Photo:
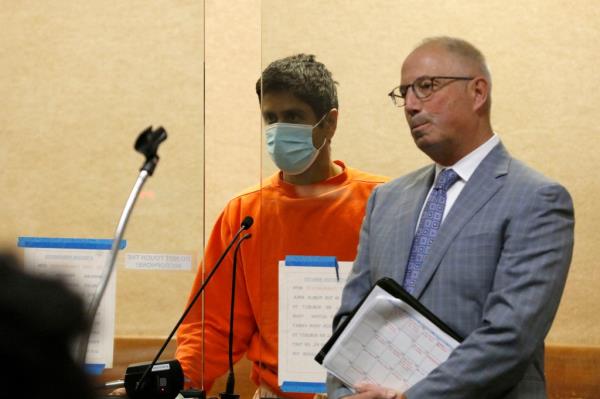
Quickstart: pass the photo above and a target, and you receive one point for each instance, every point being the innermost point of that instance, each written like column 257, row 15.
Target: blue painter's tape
column 304, row 387
column 318, row 261
column 94, row 368
column 68, row 243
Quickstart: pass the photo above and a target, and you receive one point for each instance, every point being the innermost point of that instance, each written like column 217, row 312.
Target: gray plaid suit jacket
column 495, row 273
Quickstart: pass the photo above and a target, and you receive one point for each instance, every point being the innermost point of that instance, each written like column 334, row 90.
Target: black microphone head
column 247, row 222
column 148, row 141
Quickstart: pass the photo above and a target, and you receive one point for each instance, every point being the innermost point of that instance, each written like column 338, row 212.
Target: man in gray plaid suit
column 487, row 250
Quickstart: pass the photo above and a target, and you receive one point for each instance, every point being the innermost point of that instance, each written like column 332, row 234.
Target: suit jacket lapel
column 480, row 188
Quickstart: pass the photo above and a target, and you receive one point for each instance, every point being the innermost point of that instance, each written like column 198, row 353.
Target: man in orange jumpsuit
column 313, row 206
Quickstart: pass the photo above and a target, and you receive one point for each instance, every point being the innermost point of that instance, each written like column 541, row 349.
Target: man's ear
column 330, row 122
column 480, row 90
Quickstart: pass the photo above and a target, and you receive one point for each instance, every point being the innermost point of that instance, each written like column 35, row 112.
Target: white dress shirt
column 464, row 168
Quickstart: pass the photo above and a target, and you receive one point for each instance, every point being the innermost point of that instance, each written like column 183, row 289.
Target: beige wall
column 79, row 82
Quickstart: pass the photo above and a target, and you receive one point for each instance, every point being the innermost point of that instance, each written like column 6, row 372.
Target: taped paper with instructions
column 310, row 289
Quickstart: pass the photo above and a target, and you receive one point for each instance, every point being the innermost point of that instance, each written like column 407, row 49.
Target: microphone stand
column 147, row 143
column 230, row 386
column 245, row 225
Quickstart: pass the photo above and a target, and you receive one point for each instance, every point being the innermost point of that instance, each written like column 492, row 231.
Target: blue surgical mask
column 290, row 146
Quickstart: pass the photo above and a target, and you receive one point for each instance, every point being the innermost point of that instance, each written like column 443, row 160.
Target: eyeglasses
column 423, row 87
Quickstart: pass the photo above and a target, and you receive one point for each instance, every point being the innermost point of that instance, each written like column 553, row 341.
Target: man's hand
column 372, row 391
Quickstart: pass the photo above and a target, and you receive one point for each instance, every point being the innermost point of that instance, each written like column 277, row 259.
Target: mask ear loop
column 322, row 119
column 324, row 141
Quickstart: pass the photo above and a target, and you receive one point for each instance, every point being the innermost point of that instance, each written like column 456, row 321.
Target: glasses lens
column 423, row 87
column 403, row 90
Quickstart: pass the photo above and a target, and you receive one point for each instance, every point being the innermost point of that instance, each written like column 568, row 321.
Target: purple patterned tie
column 431, row 219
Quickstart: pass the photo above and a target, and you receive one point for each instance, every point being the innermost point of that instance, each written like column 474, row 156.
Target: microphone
column 229, row 388
column 136, row 388
column 147, row 143
column 247, row 223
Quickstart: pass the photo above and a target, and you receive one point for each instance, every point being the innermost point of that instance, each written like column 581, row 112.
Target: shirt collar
column 467, row 165
column 311, row 190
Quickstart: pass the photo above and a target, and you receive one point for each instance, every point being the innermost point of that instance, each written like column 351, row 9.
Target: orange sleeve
column 201, row 372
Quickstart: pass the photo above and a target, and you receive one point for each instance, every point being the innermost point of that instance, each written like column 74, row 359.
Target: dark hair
column 305, row 78
column 40, row 319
